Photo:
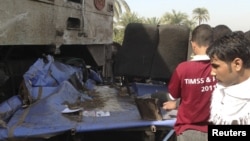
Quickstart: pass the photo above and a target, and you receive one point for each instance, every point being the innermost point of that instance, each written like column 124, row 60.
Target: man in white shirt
column 230, row 61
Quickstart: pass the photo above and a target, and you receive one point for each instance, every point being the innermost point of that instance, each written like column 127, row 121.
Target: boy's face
column 227, row 74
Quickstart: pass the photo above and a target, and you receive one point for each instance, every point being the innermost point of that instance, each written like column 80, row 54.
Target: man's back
column 195, row 88
column 192, row 83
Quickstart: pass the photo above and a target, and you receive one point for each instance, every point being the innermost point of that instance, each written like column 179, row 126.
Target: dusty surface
column 105, row 98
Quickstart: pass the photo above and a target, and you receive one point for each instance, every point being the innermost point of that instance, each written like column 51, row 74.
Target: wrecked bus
column 56, row 59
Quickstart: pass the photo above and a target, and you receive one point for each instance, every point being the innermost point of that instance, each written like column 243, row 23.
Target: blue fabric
column 142, row 88
column 95, row 76
column 44, row 117
column 9, row 107
column 38, row 93
column 90, row 84
column 48, row 75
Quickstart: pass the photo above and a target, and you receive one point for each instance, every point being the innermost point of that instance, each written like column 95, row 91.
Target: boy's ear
column 238, row 63
column 193, row 45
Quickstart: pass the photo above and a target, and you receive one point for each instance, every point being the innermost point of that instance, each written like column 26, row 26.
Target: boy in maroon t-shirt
column 193, row 84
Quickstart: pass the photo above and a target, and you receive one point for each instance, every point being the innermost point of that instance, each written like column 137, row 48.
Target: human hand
column 170, row 105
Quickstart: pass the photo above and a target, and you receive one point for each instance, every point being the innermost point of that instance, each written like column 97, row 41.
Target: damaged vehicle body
column 57, row 73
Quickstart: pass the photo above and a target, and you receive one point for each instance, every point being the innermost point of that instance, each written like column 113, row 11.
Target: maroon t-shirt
column 192, row 82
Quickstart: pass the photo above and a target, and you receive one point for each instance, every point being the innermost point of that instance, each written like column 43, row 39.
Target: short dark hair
column 231, row 46
column 202, row 35
column 220, row 31
column 247, row 34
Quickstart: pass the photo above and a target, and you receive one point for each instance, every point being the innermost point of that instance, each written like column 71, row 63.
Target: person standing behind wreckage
column 220, row 31
column 231, row 67
column 193, row 84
